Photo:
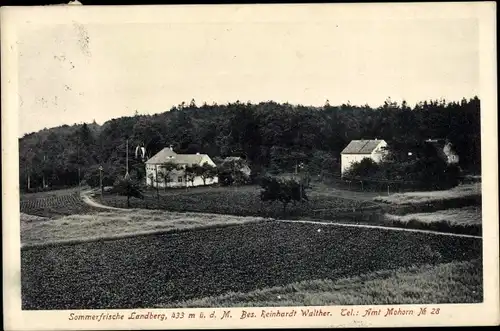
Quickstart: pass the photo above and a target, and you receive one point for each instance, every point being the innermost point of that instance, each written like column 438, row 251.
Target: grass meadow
column 455, row 217
column 454, row 282
column 462, row 192
column 457, row 210
column 466, row 220
column 116, row 224
column 241, row 201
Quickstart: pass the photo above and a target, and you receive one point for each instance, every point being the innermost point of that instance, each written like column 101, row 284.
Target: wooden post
column 43, row 173
column 156, row 181
column 126, row 158
column 29, row 177
column 78, row 160
column 100, row 181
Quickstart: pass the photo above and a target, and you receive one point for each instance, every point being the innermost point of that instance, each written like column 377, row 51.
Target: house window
column 179, row 179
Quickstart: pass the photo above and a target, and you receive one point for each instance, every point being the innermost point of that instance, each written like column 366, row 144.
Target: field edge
column 367, row 289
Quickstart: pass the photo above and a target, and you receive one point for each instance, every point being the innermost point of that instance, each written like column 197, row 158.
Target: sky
column 73, row 72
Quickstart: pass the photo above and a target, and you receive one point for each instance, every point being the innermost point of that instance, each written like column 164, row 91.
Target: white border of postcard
column 486, row 313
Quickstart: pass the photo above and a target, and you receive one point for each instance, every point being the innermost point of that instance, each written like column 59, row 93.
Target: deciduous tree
column 127, row 188
column 282, row 190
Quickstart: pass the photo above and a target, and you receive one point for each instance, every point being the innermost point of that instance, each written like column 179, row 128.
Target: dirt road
column 86, row 197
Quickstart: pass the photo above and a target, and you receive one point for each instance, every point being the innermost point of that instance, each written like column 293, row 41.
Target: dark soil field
column 55, row 203
column 143, row 271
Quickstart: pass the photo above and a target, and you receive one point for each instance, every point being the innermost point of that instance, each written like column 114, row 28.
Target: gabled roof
column 167, row 155
column 361, row 146
column 189, row 158
column 439, row 146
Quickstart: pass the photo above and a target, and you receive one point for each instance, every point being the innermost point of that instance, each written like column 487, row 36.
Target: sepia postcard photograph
column 249, row 166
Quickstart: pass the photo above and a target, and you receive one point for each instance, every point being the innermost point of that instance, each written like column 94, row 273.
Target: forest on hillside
column 272, row 137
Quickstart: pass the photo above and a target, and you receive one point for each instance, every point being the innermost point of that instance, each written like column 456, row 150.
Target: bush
column 365, row 168
column 128, row 188
column 285, row 190
column 228, row 177
column 225, row 178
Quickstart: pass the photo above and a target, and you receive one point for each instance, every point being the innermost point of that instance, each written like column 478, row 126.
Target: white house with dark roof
column 156, row 166
column 358, row 150
column 445, row 150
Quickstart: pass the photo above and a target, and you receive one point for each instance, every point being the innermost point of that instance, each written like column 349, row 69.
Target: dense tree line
column 272, row 137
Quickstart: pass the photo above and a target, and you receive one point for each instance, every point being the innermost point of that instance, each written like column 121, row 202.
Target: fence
column 358, row 183
column 365, row 184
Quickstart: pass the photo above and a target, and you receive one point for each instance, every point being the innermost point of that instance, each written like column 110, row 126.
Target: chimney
column 171, row 147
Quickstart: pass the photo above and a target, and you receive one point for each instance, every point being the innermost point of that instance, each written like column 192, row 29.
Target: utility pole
column 26, row 176
column 156, row 181
column 78, row 161
column 100, row 181
column 126, row 173
column 43, row 172
column 300, row 188
column 296, row 155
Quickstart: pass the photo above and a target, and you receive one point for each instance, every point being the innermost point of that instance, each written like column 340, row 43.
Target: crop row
column 57, row 205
